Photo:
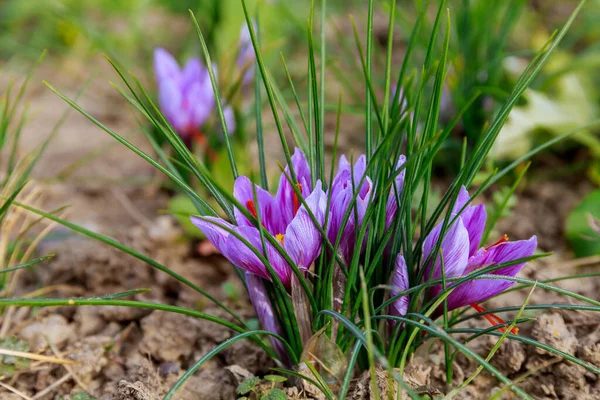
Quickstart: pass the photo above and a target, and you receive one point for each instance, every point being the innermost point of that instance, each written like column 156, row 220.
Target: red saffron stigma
column 250, row 207
column 198, row 137
column 295, row 198
column 494, row 319
column 502, row 240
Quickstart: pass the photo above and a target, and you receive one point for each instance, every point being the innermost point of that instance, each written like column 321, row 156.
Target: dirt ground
column 126, row 353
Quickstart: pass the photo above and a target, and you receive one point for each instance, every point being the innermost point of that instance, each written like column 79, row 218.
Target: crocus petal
column 265, row 204
column 399, row 282
column 461, row 200
column 244, row 256
column 198, row 103
column 478, row 290
column 171, row 101
column 285, row 193
column 510, row 251
column 343, row 164
column 192, row 72
column 350, row 176
column 455, row 250
column 474, row 218
column 264, row 311
column 302, row 237
column 229, row 119
column 165, row 66
column 213, row 229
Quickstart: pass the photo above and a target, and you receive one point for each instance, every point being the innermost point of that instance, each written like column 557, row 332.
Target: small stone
column 167, row 368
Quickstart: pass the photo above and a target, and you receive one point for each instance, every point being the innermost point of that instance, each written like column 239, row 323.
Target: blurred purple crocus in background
column 283, row 216
column 462, row 256
column 186, row 96
column 246, row 56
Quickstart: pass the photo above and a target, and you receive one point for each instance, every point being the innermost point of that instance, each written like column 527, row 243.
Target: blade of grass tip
column 312, row 136
column 323, row 64
column 299, row 138
column 26, row 82
column 268, row 88
column 27, row 264
column 500, row 210
column 369, row 83
column 11, row 200
column 5, row 118
column 368, row 74
column 388, row 66
column 113, row 243
column 368, row 335
column 14, row 150
column 215, row 85
column 216, row 351
column 302, row 143
column 504, row 336
column 409, row 48
column 258, row 114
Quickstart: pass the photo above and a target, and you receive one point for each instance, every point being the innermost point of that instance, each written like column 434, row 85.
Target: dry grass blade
column 33, row 356
column 15, row 391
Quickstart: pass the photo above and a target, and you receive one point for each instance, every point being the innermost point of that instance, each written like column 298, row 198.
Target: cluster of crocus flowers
column 186, row 96
column 292, row 223
column 460, row 255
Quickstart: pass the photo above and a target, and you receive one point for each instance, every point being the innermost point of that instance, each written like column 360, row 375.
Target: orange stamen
column 280, row 238
column 250, row 207
column 494, row 319
column 295, row 198
column 502, row 240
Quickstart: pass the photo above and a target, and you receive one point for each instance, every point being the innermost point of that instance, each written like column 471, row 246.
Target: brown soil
column 124, row 353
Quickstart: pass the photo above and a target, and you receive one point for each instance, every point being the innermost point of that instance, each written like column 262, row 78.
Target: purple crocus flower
column 246, row 56
column 462, row 255
column 283, row 216
column 345, row 183
column 186, row 96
